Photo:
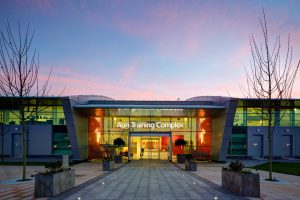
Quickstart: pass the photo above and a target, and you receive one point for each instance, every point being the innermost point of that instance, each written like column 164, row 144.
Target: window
column 285, row 117
column 240, row 117
column 238, row 142
column 60, row 143
column 254, row 117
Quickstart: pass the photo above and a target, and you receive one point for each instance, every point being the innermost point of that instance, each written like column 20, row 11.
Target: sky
column 150, row 50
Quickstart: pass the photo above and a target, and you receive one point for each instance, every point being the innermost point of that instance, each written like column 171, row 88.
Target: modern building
column 214, row 128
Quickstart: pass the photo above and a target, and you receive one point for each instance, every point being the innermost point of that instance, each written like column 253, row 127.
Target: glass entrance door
column 149, row 147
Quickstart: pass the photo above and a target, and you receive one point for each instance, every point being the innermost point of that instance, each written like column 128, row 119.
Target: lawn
column 281, row 167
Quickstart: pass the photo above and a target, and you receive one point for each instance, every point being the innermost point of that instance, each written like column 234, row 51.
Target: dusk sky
column 151, row 50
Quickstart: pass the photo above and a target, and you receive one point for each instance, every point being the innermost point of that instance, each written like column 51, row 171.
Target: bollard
column 65, row 161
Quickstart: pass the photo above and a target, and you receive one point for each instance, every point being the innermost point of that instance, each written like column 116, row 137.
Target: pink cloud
column 240, row 57
column 162, row 90
column 129, row 72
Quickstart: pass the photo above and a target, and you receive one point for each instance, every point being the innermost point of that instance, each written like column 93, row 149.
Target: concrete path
column 150, row 179
column 288, row 186
column 11, row 189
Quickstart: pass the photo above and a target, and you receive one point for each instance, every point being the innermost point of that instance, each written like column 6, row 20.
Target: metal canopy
column 148, row 106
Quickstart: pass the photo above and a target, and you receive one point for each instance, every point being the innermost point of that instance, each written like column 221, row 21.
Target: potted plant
column 181, row 143
column 190, row 163
column 54, row 180
column 239, row 181
column 119, row 142
column 108, row 159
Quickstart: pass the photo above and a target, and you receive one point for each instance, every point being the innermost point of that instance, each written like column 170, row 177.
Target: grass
column 281, row 167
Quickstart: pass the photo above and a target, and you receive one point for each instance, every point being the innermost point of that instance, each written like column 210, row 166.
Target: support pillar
column 129, row 153
column 171, row 146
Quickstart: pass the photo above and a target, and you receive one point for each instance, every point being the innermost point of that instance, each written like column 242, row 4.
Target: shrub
column 236, row 166
column 119, row 142
column 54, row 167
column 180, row 142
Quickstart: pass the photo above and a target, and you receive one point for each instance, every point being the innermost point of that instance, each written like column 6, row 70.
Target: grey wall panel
column 222, row 128
column 8, row 138
column 77, row 129
column 39, row 140
column 229, row 118
column 296, row 142
column 81, row 126
column 252, row 133
column 280, row 135
column 218, row 123
column 71, row 128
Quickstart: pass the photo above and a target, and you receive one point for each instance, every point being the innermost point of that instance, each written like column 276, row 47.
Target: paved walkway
column 10, row 189
column 288, row 186
column 147, row 180
column 150, row 179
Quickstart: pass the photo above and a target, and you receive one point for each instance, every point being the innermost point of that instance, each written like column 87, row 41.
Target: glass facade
column 249, row 113
column 194, row 126
column 49, row 111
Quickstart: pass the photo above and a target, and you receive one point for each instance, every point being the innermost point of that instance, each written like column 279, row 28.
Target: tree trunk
column 24, row 139
column 24, row 151
column 270, row 139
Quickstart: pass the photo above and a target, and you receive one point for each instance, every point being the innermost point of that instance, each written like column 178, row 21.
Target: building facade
column 214, row 128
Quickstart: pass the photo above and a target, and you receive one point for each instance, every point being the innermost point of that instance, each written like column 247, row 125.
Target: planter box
column 49, row 185
column 243, row 184
column 108, row 165
column 118, row 159
column 180, row 158
column 190, row 165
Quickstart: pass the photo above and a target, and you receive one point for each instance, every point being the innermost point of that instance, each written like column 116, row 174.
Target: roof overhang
column 146, row 106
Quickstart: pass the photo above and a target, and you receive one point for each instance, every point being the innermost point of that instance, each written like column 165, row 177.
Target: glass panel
column 297, row 116
column 149, row 112
column 150, row 147
column 61, row 144
column 238, row 142
column 254, row 117
column 240, row 117
column 285, row 117
column 121, row 122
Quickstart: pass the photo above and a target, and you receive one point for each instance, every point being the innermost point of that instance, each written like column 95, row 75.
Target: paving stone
column 149, row 180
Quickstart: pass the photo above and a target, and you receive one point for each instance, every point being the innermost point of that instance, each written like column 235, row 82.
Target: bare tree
column 19, row 77
column 270, row 79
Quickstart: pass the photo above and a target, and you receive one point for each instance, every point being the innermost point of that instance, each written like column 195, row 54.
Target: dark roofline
column 139, row 102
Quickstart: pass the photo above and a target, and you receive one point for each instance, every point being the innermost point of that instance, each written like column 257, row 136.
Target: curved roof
column 208, row 98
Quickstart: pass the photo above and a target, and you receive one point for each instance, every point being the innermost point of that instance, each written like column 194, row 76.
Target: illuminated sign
column 151, row 125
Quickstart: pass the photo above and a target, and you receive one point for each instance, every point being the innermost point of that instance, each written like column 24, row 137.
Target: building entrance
column 154, row 146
